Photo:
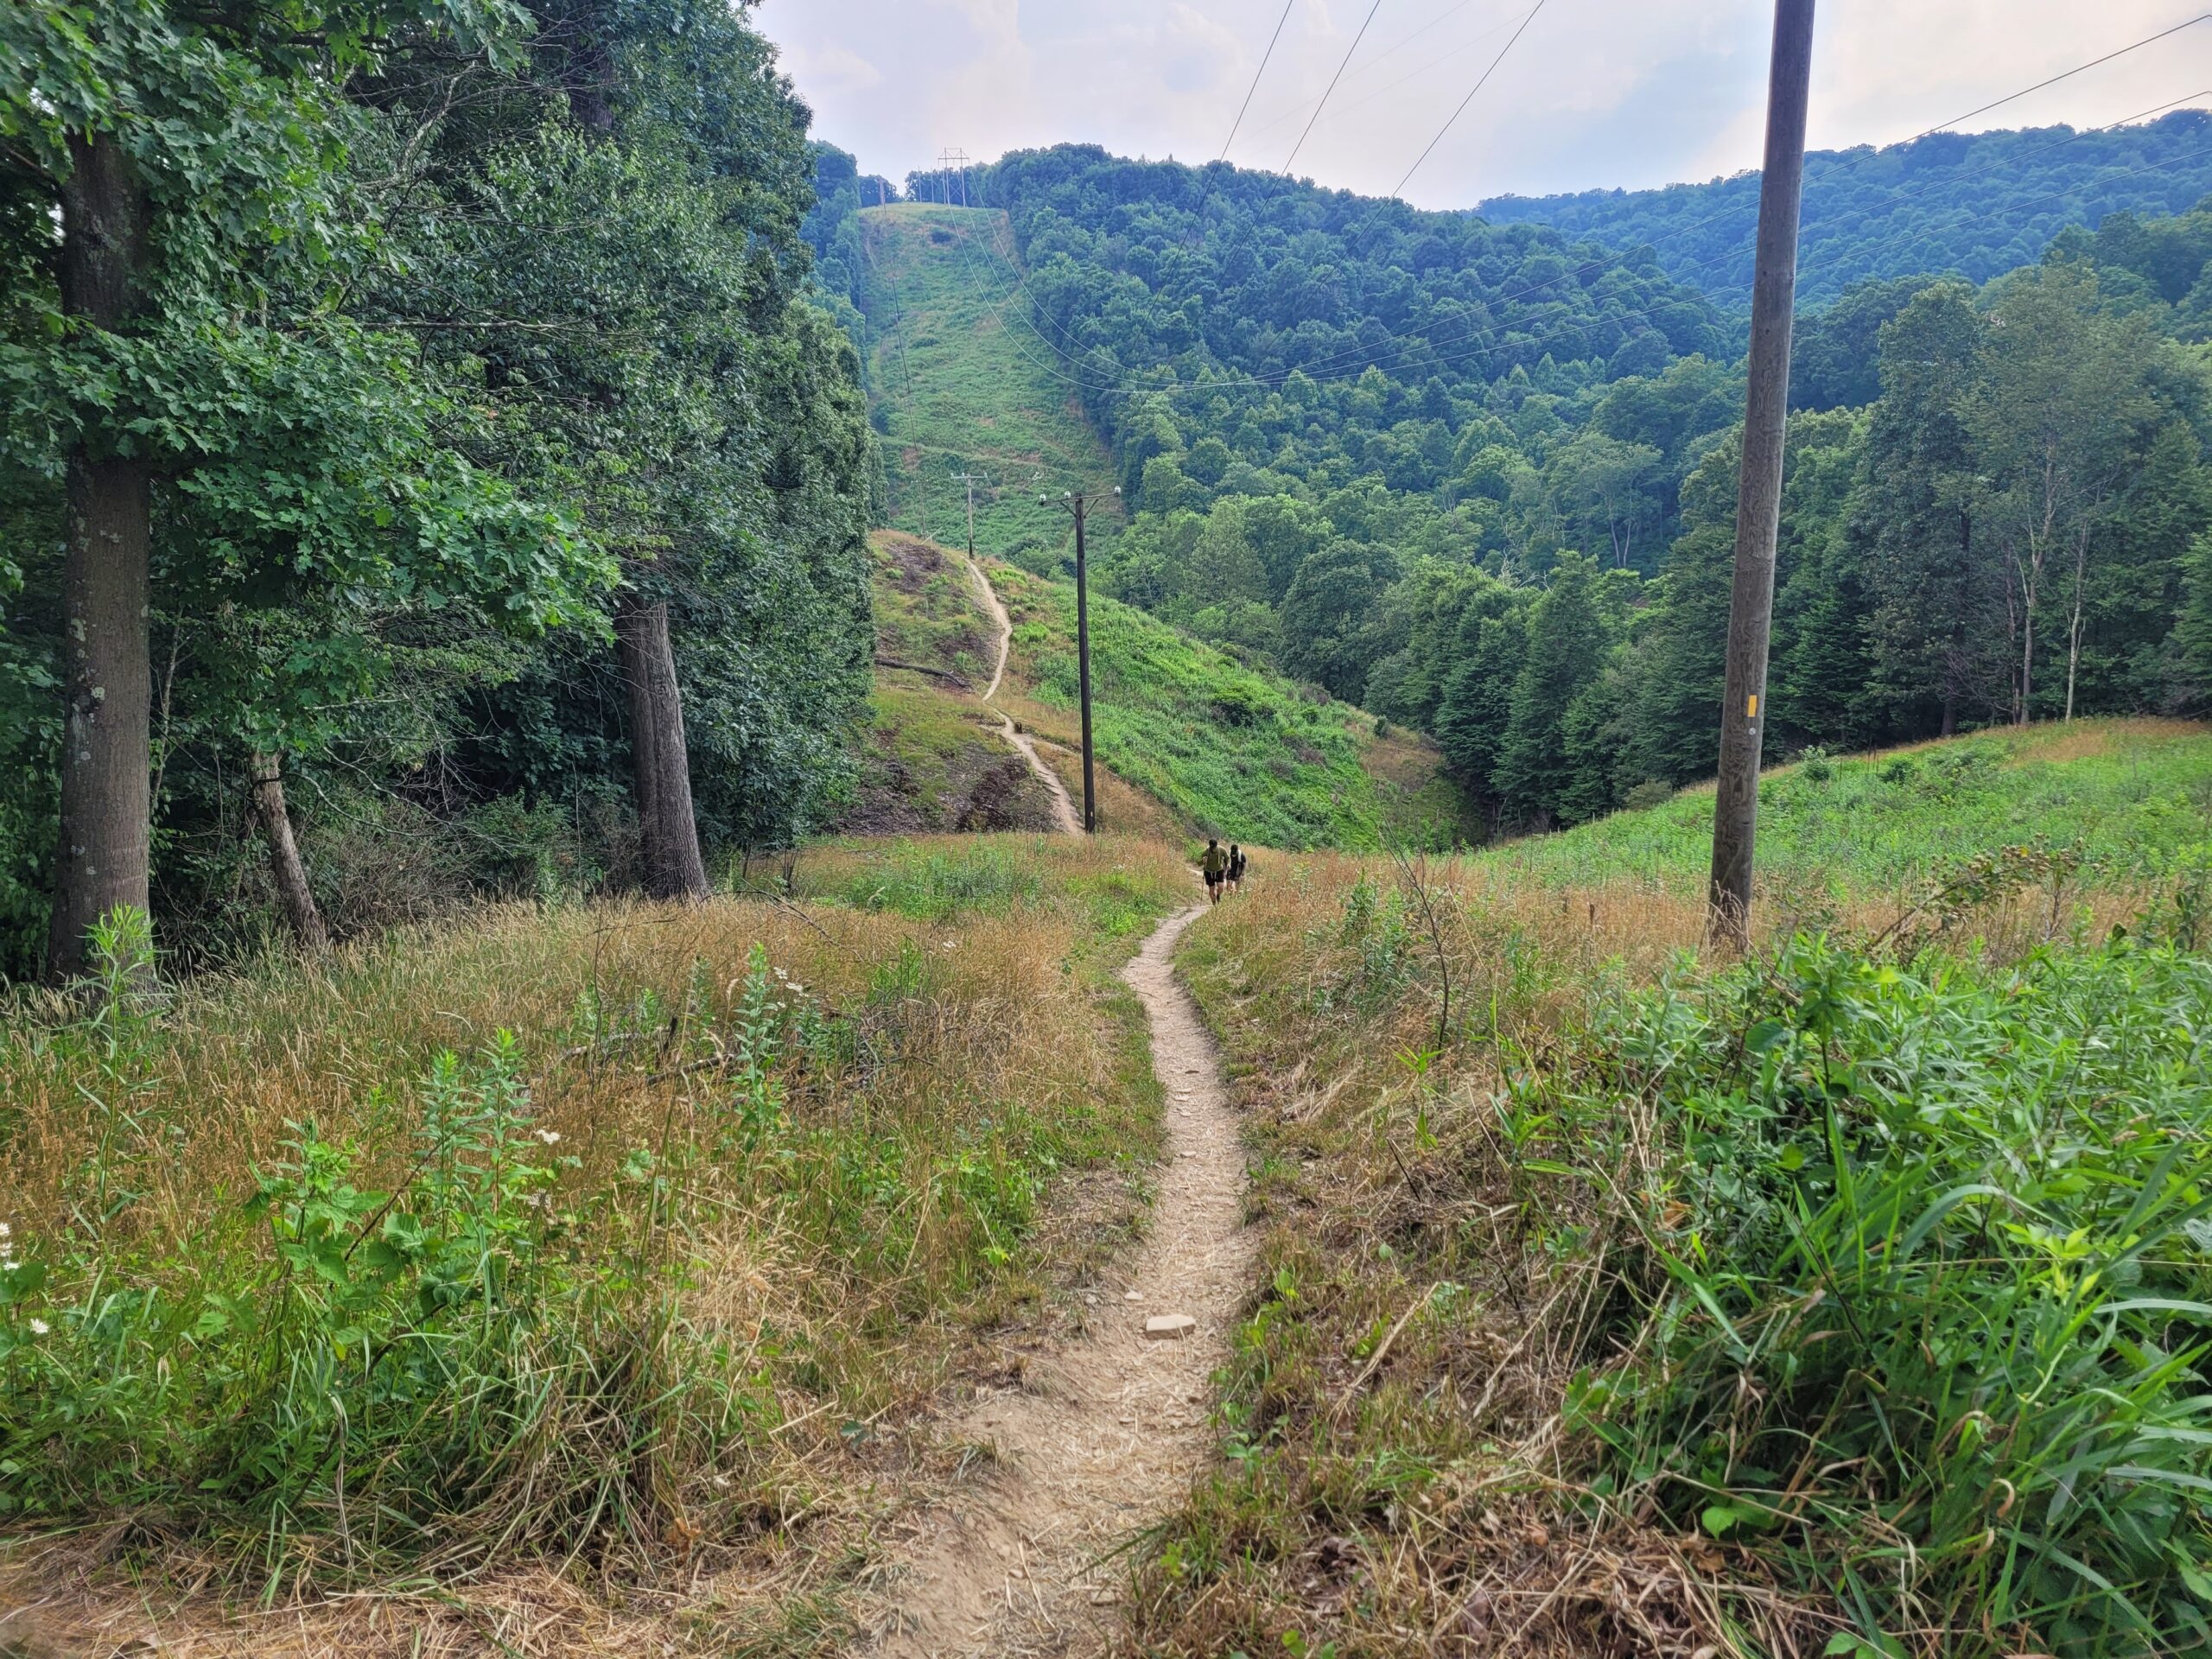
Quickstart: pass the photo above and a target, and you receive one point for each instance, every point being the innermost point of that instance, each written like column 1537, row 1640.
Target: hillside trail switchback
column 1102, row 1435
column 1064, row 812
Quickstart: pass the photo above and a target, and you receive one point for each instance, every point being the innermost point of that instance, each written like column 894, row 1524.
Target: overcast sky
column 1597, row 93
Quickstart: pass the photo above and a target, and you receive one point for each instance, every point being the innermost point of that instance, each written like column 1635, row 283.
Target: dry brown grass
column 858, row 1318
column 1410, row 1488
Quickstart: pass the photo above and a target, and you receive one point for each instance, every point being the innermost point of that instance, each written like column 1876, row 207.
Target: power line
column 1326, row 367
column 1339, row 365
column 1470, row 97
column 2054, row 80
column 1435, row 62
column 1254, row 86
column 1332, row 87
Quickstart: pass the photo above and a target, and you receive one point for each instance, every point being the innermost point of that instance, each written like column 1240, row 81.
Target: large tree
column 184, row 347
column 1536, row 776
column 2060, row 392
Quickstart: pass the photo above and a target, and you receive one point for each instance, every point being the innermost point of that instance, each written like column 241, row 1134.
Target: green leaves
column 1945, row 1291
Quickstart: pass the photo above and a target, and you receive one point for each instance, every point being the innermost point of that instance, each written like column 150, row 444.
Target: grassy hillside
column 1227, row 749
column 2131, row 795
column 935, row 760
column 961, row 387
column 612, row 1234
column 1616, row 1297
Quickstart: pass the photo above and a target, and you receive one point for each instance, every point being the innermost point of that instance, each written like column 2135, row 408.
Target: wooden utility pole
column 971, row 481
column 1759, row 491
column 1077, row 504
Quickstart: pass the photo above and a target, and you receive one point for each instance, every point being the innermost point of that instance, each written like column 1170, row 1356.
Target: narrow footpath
column 1102, row 1436
column 1063, row 807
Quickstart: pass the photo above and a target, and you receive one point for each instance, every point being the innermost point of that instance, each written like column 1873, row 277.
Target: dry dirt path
column 1103, row 1435
column 1063, row 807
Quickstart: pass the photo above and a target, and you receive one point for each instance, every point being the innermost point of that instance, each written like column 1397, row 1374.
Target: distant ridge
column 1976, row 204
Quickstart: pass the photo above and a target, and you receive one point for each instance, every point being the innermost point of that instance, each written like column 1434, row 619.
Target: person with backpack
column 1213, row 864
column 1236, row 863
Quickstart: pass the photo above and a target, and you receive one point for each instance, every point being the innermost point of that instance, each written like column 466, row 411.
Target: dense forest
column 1972, row 204
column 1481, row 479
column 427, row 463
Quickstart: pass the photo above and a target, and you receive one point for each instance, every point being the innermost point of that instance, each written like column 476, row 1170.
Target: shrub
column 1928, row 1285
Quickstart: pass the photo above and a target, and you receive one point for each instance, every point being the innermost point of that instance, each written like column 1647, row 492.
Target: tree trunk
column 2073, row 624
column 674, row 868
column 284, row 862
column 107, row 676
column 1954, row 654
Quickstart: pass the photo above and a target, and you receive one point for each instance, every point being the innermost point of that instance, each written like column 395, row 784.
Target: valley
column 572, row 1084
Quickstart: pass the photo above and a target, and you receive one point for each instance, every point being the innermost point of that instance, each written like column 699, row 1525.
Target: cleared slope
column 934, row 760
column 1226, row 748
column 961, row 386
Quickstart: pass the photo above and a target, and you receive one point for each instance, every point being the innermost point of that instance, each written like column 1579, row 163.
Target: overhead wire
column 1343, row 365
column 1470, row 97
column 1436, row 62
column 1293, row 111
column 1332, row 87
column 1256, row 73
column 2012, row 97
column 1357, row 359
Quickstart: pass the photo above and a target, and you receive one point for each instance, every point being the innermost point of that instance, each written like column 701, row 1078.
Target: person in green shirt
column 1213, row 864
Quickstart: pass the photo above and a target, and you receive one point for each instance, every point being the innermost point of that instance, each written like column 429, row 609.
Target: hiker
column 1237, row 863
column 1214, row 866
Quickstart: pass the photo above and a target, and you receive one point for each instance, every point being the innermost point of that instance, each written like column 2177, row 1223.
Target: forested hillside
column 1974, row 205
column 406, row 402
column 1482, row 481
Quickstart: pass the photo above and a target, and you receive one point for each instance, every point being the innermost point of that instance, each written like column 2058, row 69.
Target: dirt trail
column 1102, row 1436
column 1063, row 807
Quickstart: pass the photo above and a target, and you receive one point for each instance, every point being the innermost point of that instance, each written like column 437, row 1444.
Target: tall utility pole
column 1758, row 489
column 1077, row 504
column 971, row 479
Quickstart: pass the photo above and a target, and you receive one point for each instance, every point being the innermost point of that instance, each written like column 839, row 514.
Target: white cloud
column 833, row 68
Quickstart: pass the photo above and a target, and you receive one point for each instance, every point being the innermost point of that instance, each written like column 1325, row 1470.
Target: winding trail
column 1101, row 1436
column 1064, row 811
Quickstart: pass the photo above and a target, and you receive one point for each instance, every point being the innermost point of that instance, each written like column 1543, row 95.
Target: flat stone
column 1133, row 1296
column 1169, row 1327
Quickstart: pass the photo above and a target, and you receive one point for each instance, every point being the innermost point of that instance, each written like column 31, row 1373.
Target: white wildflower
column 40, row 1327
column 550, row 1137
column 3, row 1230
column 797, row 989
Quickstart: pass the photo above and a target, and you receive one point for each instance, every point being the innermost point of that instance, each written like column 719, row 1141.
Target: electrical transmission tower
column 947, row 160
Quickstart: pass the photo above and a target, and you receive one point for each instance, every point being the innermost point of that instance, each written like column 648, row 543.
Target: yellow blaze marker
column 1752, row 711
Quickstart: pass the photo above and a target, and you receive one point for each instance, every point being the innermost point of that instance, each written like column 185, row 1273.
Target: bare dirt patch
column 1063, row 807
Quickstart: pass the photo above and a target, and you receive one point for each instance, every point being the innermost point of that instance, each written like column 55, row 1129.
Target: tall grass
column 2132, row 795
column 957, row 385
column 585, row 1238
column 1851, row 1298
column 1919, row 1299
